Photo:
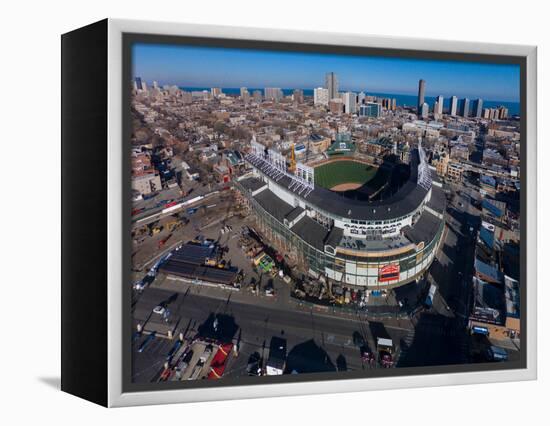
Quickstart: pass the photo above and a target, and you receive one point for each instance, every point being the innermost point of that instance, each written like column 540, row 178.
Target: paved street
column 326, row 341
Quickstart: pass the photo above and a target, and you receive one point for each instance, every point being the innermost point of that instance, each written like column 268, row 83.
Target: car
column 159, row 310
column 138, row 285
column 367, row 356
column 254, row 365
column 206, row 354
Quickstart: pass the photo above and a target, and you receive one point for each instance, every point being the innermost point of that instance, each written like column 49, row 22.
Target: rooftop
column 297, row 211
column 488, row 271
column 192, row 253
column 488, row 302
column 311, row 232
column 195, row 272
column 424, row 230
column 252, row 183
column 273, row 204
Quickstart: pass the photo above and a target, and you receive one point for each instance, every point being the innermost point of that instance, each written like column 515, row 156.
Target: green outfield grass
column 338, row 172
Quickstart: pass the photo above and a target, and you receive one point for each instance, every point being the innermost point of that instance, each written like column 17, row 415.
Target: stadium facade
column 375, row 244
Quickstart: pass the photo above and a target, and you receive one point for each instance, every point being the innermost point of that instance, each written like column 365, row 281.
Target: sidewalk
column 281, row 301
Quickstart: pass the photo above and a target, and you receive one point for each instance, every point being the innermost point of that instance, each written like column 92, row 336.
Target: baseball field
column 343, row 175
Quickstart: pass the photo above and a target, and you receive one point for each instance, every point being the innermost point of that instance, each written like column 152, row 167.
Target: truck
column 495, row 353
column 430, row 297
column 385, row 352
column 276, row 362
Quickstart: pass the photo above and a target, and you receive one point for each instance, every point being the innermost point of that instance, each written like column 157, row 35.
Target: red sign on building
column 389, row 272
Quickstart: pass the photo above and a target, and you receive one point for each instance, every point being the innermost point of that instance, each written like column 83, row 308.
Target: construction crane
column 292, row 159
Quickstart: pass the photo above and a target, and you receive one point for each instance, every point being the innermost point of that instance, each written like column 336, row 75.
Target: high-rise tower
column 421, row 94
column 331, row 83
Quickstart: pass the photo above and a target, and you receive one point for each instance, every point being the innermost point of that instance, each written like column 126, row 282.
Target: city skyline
column 192, row 66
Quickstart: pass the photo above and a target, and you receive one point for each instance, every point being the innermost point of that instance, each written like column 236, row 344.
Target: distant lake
column 401, row 100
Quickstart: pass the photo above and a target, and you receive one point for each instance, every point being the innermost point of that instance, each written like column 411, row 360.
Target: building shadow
column 308, row 357
column 436, row 340
column 390, row 175
column 219, row 327
column 341, row 363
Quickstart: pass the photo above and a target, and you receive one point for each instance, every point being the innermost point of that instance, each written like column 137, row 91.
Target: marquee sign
column 389, row 272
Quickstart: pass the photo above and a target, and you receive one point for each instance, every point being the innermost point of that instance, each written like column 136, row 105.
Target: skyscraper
column 464, row 107
column 320, row 96
column 421, row 94
column 350, row 103
column 331, row 83
column 139, row 84
column 453, row 105
column 502, row 113
column 439, row 101
column 298, row 96
column 425, row 110
column 257, row 95
column 245, row 95
column 478, row 107
column 273, row 93
column 436, row 109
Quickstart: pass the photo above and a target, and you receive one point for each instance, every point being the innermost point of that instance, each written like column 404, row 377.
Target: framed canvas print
column 252, row 213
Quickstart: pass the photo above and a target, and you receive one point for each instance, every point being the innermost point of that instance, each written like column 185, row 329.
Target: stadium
column 365, row 225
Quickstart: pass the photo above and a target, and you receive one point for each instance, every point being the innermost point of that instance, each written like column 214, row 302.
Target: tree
column 220, row 127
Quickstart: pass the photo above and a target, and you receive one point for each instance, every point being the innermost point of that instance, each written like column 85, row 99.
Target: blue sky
column 194, row 66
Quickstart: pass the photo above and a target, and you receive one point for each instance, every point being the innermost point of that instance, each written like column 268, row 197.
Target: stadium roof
column 425, row 229
column 311, row 232
column 334, row 237
column 404, row 201
column 297, row 211
column 437, row 200
column 273, row 204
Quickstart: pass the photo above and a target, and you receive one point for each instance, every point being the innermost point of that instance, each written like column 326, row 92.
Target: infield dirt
column 348, row 186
